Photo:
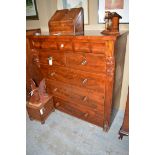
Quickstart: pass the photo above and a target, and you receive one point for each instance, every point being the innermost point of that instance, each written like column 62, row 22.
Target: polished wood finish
column 124, row 130
column 111, row 23
column 32, row 71
column 67, row 21
column 41, row 112
column 83, row 73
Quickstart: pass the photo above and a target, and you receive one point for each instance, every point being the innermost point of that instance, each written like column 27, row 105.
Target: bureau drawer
column 79, row 111
column 44, row 44
column 64, row 46
column 76, row 77
column 51, row 58
column 87, row 98
column 98, row 47
column 86, row 62
column 81, row 45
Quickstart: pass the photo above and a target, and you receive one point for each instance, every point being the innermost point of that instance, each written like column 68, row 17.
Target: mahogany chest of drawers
column 83, row 73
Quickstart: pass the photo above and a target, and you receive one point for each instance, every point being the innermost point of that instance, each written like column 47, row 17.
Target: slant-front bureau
column 83, row 73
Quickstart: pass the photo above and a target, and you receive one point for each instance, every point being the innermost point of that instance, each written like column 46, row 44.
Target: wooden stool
column 40, row 111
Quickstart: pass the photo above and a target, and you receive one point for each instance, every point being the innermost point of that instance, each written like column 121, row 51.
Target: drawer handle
column 35, row 60
column 50, row 61
column 57, row 104
column 62, row 45
column 84, row 81
column 52, row 74
column 55, row 89
column 42, row 110
column 85, row 98
column 83, row 62
column 86, row 115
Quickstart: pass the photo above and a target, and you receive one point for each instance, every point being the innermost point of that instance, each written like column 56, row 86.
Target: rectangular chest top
column 88, row 35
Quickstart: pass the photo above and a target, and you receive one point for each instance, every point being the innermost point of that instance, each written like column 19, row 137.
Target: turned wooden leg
column 42, row 122
column 31, row 118
column 105, row 127
column 53, row 109
column 120, row 136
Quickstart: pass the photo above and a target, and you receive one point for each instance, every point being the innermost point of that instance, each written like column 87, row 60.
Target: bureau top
column 87, row 34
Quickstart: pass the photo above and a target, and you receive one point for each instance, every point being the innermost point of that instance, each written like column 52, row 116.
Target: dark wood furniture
column 40, row 111
column 67, row 21
column 124, row 130
column 83, row 73
column 32, row 71
column 111, row 23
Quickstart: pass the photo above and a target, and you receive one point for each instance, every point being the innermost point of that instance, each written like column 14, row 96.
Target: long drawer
column 79, row 111
column 76, row 77
column 87, row 98
column 86, row 62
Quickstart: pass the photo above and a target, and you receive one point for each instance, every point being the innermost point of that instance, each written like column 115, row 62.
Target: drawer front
column 44, row 44
column 64, row 46
column 79, row 111
column 86, row 62
column 81, row 47
column 98, row 47
column 88, row 98
column 49, row 45
column 75, row 77
column 51, row 58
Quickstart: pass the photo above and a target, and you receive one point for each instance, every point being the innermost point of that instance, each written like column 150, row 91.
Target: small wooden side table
column 40, row 111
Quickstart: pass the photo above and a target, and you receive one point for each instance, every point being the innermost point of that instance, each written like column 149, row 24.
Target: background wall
column 46, row 9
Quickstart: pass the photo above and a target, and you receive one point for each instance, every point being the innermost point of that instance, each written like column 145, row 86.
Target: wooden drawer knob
column 62, row 45
column 57, row 104
column 86, row 115
column 35, row 60
column 52, row 74
column 85, row 98
column 84, row 81
column 83, row 62
column 55, row 89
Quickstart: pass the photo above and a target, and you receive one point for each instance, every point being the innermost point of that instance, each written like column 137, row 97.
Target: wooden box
column 67, row 22
column 41, row 111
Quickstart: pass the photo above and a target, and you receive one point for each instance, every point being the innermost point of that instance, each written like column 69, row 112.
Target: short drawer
column 87, row 98
column 64, row 45
column 75, row 77
column 79, row 111
column 99, row 48
column 81, row 47
column 44, row 44
column 86, row 62
column 49, row 45
column 51, row 58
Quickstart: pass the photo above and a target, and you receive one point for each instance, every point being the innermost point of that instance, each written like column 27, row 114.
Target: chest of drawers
column 83, row 73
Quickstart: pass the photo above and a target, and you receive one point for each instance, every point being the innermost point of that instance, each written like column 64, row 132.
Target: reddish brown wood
column 32, row 71
column 86, row 62
column 85, row 77
column 67, row 22
column 75, row 77
column 78, row 111
column 34, row 111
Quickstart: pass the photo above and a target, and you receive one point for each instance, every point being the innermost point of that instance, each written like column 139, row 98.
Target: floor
column 63, row 134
